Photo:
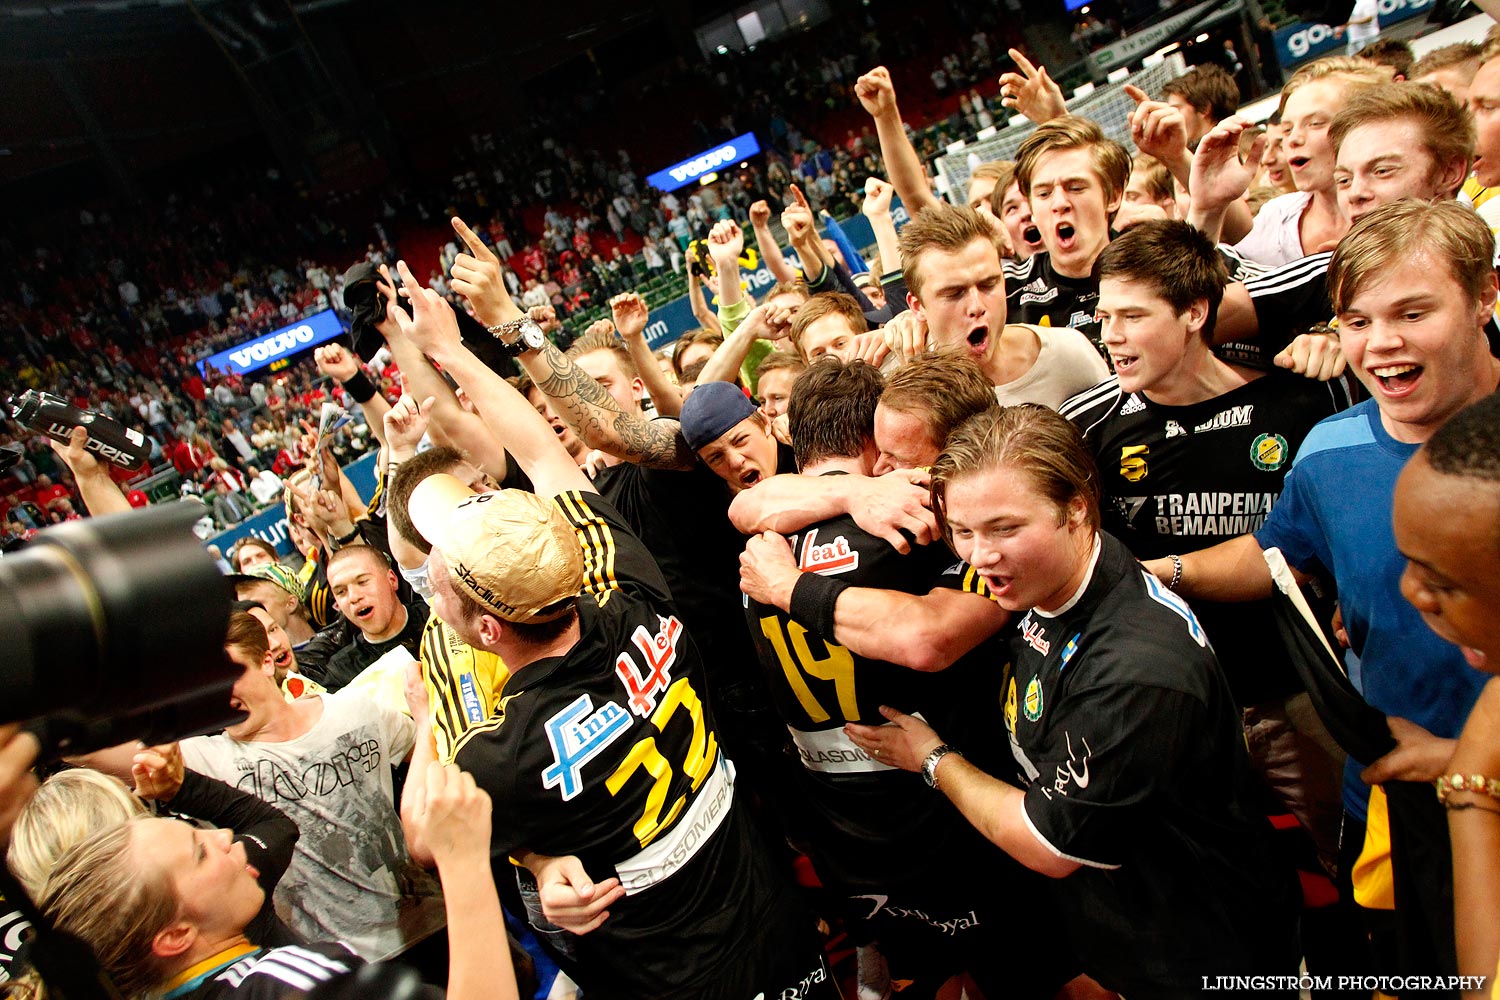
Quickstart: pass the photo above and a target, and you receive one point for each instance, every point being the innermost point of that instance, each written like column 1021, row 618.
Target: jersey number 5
column 698, row 764
column 836, row 665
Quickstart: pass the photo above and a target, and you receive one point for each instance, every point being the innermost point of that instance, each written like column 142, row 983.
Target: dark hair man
column 1192, row 451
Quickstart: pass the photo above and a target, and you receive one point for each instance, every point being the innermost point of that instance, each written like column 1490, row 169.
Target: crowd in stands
column 1090, row 595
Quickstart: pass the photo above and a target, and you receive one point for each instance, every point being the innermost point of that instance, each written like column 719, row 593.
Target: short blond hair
column 1158, row 178
column 1447, row 129
column 1346, row 69
column 1393, row 234
column 600, row 340
column 1111, row 161
column 827, row 304
column 944, row 227
column 1460, row 55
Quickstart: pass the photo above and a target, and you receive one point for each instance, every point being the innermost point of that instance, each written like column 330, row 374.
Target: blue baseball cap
column 711, row 410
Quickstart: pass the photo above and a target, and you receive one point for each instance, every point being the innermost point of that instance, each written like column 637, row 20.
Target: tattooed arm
column 597, row 419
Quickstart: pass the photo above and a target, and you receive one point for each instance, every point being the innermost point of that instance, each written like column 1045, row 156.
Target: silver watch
column 930, row 763
column 530, row 336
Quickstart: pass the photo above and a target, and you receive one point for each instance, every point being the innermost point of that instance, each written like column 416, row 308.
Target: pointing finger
column 471, row 240
column 1025, row 64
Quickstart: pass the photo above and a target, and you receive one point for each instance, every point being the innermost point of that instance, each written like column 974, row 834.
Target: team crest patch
column 1268, row 452
column 1133, row 462
column 1032, row 706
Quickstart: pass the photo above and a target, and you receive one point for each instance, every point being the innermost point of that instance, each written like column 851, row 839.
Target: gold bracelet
column 1476, row 783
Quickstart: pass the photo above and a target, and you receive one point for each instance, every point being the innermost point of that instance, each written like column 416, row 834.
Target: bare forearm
column 998, row 810
column 663, row 392
column 704, row 315
column 413, row 792
column 1208, row 220
column 724, row 364
column 374, row 409
column 788, row 503
column 100, row 494
column 530, row 439
column 1230, row 571
column 597, row 418
column 450, row 424
column 479, row 966
column 884, row 228
column 903, row 165
column 924, row 632
column 1238, row 221
column 810, row 252
column 771, row 252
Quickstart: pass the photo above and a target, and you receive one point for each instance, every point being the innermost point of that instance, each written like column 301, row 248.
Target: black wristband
column 353, row 534
column 360, row 387
column 813, row 600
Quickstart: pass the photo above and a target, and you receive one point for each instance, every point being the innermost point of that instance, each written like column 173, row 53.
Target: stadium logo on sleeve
column 1268, row 452
column 1032, row 706
column 1133, row 462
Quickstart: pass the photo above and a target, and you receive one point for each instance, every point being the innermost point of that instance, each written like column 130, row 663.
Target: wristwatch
column 930, row 763
column 531, row 337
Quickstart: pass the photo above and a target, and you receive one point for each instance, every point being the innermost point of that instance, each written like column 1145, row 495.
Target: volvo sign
column 740, row 148
column 276, row 346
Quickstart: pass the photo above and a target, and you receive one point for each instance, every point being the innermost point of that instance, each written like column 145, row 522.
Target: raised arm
column 766, row 321
column 1031, row 92
column 760, row 222
column 434, row 328
column 801, row 229
column 343, row 367
column 449, row 423
column 454, row 823
column 582, row 402
column 630, row 316
column 701, row 312
column 878, row 96
column 1220, row 176
column 877, row 208
column 101, row 494
column 1158, row 130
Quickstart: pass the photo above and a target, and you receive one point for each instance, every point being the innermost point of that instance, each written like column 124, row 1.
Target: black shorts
column 994, row 920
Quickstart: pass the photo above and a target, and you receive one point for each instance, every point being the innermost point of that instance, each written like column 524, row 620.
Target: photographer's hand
column 18, row 751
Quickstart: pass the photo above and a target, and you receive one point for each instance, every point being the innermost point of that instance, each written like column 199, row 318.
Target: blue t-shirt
column 1335, row 510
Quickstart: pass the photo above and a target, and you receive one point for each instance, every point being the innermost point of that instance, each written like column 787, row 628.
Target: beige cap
column 512, row 551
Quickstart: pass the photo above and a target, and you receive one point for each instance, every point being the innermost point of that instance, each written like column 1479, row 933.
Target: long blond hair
column 100, row 893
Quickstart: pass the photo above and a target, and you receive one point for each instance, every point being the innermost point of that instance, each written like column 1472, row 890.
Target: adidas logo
column 1132, row 405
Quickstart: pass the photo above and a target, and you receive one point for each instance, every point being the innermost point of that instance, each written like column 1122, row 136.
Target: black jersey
column 872, row 823
column 1183, row 478
column 1289, row 300
column 1136, row 768
column 1036, row 293
column 609, row 752
column 270, row 973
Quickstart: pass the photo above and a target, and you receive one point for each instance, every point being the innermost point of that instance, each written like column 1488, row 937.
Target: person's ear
column 1078, row 513
column 491, row 629
column 174, row 940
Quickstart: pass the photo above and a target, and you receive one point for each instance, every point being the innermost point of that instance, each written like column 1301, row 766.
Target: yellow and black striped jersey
column 463, row 684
